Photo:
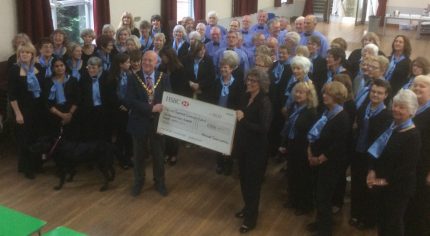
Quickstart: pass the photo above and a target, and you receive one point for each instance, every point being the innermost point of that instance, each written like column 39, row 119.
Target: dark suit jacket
column 141, row 118
column 400, row 75
column 235, row 93
column 205, row 75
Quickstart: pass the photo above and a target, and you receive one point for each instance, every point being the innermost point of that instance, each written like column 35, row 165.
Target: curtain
column 35, row 18
column 309, row 8
column 241, row 8
column 382, row 7
column 101, row 12
column 199, row 10
column 277, row 3
column 168, row 15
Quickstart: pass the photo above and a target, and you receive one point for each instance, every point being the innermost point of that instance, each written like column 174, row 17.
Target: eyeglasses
column 252, row 81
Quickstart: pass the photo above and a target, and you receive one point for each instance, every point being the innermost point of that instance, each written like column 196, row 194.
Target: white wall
column 138, row 8
column 8, row 27
column 408, row 6
column 224, row 8
column 263, row 4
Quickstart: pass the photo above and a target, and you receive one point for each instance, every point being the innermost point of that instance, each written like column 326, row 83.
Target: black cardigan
column 422, row 122
column 400, row 75
column 235, row 92
column 297, row 147
column 333, row 139
column 71, row 93
column 398, row 161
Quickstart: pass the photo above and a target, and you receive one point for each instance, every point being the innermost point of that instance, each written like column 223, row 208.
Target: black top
column 205, row 75
column 236, row 90
column 377, row 124
column 400, row 75
column 71, row 93
column 251, row 131
column 422, row 122
column 135, row 31
column 333, row 138
column 18, row 91
column 398, row 161
column 107, row 92
column 318, row 75
column 277, row 91
column 178, row 80
column 297, row 147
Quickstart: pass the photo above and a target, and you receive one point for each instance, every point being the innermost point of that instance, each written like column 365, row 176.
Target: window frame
column 67, row 3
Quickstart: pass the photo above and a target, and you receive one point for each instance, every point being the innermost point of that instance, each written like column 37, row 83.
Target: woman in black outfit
column 250, row 146
column 200, row 72
column 301, row 117
column 226, row 91
column 372, row 119
column 417, row 220
column 171, row 65
column 392, row 171
column 398, row 68
column 119, row 75
column 61, row 98
column 327, row 151
column 25, row 96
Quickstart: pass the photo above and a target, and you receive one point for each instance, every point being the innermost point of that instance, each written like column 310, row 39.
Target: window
column 185, row 8
column 72, row 16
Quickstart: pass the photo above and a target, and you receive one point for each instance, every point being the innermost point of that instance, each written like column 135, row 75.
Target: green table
column 15, row 223
column 63, row 231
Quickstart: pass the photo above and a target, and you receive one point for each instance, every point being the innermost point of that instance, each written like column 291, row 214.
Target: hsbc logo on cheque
column 178, row 101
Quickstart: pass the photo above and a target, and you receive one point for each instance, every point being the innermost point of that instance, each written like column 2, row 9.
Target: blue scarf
column 364, row 132
column 313, row 57
column 59, row 53
column 57, row 91
column 146, row 43
column 97, row 101
column 393, row 63
column 330, row 74
column 422, row 108
column 291, row 123
column 75, row 69
column 291, row 83
column 196, row 67
column 177, row 47
column 277, row 72
column 105, row 60
column 33, row 85
column 226, row 86
column 315, row 132
column 46, row 65
column 361, row 96
column 376, row 149
column 122, row 91
column 409, row 83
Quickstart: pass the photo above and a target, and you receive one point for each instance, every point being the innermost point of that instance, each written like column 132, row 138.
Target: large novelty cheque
column 197, row 122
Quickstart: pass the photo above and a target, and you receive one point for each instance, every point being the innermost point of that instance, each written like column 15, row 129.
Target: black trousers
column 300, row 183
column 417, row 217
column 172, row 146
column 251, row 171
column 155, row 142
column 123, row 140
column 363, row 202
column 391, row 211
column 328, row 174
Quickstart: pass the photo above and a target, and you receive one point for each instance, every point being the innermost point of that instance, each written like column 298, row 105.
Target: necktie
column 149, row 84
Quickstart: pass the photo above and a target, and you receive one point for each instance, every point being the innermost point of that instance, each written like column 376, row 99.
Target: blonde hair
column 311, row 94
column 26, row 47
column 423, row 78
column 129, row 15
column 337, row 91
column 135, row 40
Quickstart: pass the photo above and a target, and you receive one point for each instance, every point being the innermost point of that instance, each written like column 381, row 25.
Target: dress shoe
column 245, row 229
column 312, row 227
column 172, row 160
column 240, row 214
column 161, row 188
column 136, row 190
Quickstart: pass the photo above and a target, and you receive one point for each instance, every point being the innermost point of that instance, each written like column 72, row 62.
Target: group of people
column 296, row 96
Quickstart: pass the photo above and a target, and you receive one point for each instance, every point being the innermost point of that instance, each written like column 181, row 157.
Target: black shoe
column 245, row 229
column 135, row 191
column 172, row 161
column 240, row 214
column 161, row 188
column 29, row 175
column 312, row 227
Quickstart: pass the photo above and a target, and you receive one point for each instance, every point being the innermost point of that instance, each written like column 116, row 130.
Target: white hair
column 423, row 78
column 408, row 98
column 230, row 58
column 194, row 35
column 302, row 62
column 294, row 36
column 300, row 18
column 372, row 48
column 201, row 25
column 213, row 14
column 180, row 28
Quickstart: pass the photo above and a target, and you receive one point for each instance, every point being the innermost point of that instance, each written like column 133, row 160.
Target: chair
column 63, row 231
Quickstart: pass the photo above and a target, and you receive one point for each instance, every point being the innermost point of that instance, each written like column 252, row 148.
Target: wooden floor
column 200, row 202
